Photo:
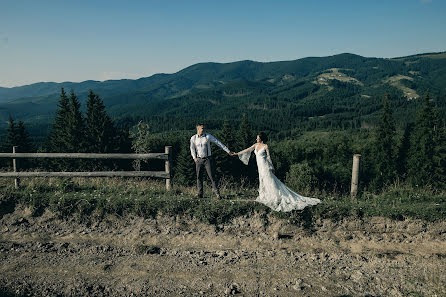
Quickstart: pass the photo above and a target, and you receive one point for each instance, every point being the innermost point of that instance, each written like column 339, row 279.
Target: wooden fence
column 159, row 174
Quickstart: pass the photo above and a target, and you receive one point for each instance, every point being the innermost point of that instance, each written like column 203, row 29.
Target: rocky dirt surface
column 257, row 256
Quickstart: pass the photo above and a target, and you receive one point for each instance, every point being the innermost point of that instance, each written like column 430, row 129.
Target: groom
column 200, row 149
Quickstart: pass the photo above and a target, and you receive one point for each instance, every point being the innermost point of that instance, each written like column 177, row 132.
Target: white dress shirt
column 200, row 146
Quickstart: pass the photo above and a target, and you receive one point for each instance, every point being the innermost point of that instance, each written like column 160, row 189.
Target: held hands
column 232, row 154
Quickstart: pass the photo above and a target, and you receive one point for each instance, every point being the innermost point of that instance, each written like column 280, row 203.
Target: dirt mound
column 257, row 256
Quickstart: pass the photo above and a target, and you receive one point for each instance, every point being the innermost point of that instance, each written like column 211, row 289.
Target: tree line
column 420, row 157
column 72, row 131
column 417, row 156
column 309, row 160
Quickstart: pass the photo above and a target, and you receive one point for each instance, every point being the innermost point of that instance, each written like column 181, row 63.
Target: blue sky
column 82, row 40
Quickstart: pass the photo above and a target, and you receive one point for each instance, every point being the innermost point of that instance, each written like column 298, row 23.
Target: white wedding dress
column 272, row 192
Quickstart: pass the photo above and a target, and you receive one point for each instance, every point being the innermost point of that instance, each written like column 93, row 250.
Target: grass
column 96, row 197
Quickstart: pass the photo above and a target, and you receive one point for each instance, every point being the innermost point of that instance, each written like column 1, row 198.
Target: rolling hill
column 329, row 91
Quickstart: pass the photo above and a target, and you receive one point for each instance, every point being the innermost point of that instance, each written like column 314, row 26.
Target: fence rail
column 159, row 156
column 158, row 174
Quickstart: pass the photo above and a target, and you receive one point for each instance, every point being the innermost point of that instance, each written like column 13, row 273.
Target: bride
column 272, row 192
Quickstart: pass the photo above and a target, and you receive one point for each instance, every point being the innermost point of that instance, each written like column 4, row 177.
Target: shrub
column 301, row 178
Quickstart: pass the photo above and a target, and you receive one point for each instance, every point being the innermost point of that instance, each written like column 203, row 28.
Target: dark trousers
column 208, row 163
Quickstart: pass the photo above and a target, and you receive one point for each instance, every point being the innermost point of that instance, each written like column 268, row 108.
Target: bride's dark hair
column 263, row 137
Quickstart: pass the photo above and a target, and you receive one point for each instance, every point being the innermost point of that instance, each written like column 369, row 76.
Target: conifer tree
column 403, row 151
column 245, row 137
column 12, row 135
column 442, row 157
column 385, row 147
column 123, row 140
column 76, row 126
column 58, row 137
column 245, row 140
column 439, row 157
column 421, row 164
column 185, row 168
column 17, row 136
column 68, row 133
column 100, row 132
column 227, row 166
column 24, row 143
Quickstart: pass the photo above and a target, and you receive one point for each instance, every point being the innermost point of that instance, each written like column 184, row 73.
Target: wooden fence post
column 14, row 166
column 355, row 173
column 168, row 151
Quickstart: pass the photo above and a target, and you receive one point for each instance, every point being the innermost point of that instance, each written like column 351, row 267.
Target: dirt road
column 257, row 256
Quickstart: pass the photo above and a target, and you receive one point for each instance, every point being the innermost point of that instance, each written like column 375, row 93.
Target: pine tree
column 403, row 151
column 58, row 138
column 12, row 135
column 76, row 126
column 24, row 143
column 442, row 157
column 10, row 141
column 18, row 136
column 226, row 165
column 123, row 140
column 245, row 140
column 439, row 156
column 385, row 147
column 185, row 168
column 68, row 133
column 100, row 131
column 421, row 164
column 123, row 145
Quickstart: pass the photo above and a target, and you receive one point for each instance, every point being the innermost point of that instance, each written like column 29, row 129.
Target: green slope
column 276, row 95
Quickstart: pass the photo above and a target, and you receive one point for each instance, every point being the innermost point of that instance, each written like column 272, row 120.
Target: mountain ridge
column 307, row 87
column 66, row 84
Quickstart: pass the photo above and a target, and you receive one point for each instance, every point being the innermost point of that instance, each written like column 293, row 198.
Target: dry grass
column 336, row 74
column 396, row 82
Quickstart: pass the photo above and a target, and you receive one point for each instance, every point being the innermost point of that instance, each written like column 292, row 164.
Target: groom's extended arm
column 215, row 140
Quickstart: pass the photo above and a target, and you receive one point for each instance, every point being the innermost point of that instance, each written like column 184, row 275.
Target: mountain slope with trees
column 339, row 90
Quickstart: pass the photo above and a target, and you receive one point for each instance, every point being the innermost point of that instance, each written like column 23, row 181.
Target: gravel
column 132, row 256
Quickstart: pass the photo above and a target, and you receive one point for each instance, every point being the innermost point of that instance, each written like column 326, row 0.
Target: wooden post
column 355, row 173
column 168, row 151
column 14, row 166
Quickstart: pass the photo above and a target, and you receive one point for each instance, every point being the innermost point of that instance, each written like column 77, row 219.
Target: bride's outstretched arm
column 246, row 154
column 249, row 149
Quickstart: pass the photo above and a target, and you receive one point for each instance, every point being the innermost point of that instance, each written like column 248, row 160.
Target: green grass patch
column 97, row 197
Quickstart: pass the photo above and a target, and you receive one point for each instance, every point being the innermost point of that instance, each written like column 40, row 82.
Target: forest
column 317, row 112
column 336, row 93
column 406, row 143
